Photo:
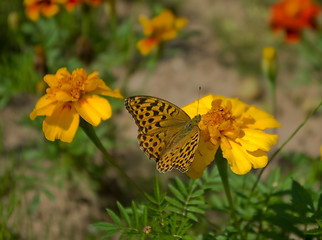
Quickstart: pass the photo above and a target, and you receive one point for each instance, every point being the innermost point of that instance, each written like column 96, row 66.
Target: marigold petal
column 165, row 19
column 146, row 45
column 45, row 106
column 258, row 159
column 33, row 12
column 103, row 89
column 201, row 106
column 180, row 23
column 168, row 35
column 52, row 79
column 146, row 24
column 263, row 120
column 93, row 108
column 50, row 10
column 241, row 161
column 237, row 158
column 254, row 140
column 204, row 155
column 62, row 124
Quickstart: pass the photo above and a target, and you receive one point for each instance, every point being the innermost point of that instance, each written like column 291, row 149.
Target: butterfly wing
column 160, row 134
column 182, row 154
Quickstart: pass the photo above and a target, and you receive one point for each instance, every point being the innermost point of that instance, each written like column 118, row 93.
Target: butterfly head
column 196, row 119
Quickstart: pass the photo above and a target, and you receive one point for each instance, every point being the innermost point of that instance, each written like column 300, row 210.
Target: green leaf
column 105, row 226
column 319, row 209
column 114, row 217
column 315, row 232
column 124, row 214
column 195, row 209
column 177, row 193
column 302, row 200
column 150, row 198
column 197, row 193
column 181, row 186
column 135, row 215
column 174, row 202
column 196, row 202
column 112, row 233
column 145, row 216
column 156, row 188
column 192, row 217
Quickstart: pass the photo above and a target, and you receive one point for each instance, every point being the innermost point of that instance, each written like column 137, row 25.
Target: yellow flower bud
column 269, row 66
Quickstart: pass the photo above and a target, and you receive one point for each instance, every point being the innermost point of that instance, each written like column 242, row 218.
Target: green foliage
column 277, row 209
column 162, row 216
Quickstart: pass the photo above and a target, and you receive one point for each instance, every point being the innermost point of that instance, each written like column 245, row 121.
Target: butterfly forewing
column 162, row 134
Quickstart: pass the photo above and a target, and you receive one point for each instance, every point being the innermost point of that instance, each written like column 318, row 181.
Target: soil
column 176, row 79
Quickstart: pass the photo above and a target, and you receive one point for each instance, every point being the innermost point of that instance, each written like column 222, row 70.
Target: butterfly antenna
column 198, row 99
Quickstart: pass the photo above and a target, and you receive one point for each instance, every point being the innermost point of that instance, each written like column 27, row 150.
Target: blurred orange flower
column 163, row 27
column 69, row 97
column 48, row 8
column 292, row 16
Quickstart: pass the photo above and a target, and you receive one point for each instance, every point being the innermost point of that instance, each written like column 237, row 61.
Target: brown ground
column 177, row 79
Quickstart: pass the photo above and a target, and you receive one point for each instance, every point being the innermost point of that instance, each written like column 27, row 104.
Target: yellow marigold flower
column 70, row 96
column 47, row 7
column 163, row 27
column 234, row 126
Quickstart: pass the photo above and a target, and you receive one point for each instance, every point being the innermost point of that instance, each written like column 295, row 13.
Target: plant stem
column 222, row 165
column 286, row 141
column 89, row 130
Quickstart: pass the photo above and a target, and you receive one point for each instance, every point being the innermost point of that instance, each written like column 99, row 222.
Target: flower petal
column 168, row 35
column 263, row 120
column 201, row 106
column 50, row 10
column 254, row 140
column 180, row 23
column 146, row 24
column 204, row 155
column 62, row 124
column 241, row 161
column 93, row 108
column 45, row 106
column 146, row 45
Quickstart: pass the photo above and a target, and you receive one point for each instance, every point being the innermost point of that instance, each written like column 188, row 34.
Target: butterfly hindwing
column 182, row 155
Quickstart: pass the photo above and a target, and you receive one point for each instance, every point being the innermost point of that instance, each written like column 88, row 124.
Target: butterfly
column 165, row 132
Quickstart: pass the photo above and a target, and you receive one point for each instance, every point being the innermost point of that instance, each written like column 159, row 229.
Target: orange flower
column 46, row 7
column 70, row 96
column 163, row 27
column 292, row 16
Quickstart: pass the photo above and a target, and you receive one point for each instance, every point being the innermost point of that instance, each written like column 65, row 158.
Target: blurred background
column 53, row 190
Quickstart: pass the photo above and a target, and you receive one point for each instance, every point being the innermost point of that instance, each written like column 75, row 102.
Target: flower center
column 77, row 81
column 219, row 122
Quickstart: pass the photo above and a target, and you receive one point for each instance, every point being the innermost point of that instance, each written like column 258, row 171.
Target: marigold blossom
column 292, row 16
column 163, row 27
column 48, row 8
column 70, row 96
column 234, row 126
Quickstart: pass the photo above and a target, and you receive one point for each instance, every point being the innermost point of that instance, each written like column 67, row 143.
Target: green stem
column 286, row 141
column 89, row 130
column 222, row 165
column 113, row 11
